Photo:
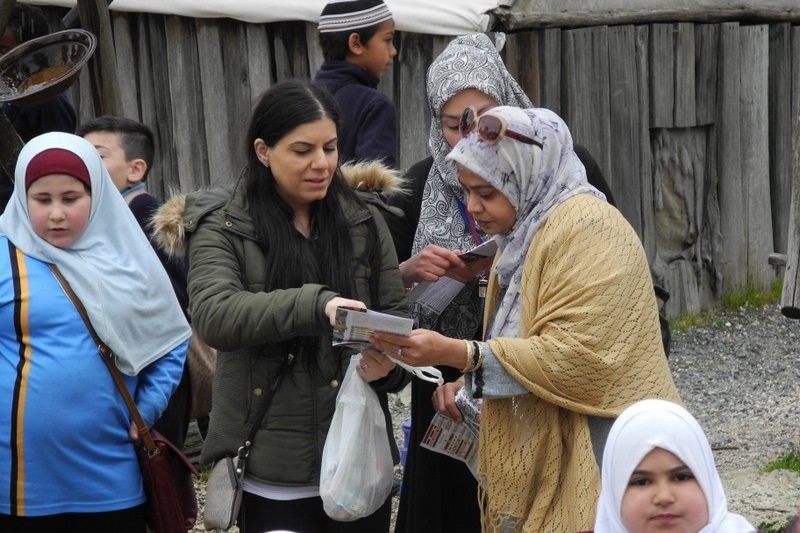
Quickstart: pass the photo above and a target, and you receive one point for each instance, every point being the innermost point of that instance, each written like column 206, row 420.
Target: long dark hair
column 327, row 256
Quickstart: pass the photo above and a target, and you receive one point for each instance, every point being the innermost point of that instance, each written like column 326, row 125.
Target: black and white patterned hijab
column 468, row 62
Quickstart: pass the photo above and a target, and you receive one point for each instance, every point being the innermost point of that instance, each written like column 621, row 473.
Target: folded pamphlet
column 354, row 327
column 458, row 440
column 436, row 295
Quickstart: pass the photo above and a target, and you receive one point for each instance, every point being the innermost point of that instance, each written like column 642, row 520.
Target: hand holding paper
column 436, row 296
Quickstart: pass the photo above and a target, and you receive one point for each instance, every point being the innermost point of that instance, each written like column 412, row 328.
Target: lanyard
column 470, row 222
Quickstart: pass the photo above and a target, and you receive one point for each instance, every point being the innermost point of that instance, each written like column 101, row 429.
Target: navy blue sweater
column 369, row 121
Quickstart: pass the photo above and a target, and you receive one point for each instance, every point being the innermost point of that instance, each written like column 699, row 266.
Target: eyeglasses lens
column 490, row 128
column 467, row 122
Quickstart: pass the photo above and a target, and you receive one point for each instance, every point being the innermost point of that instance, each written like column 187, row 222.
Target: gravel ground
column 741, row 379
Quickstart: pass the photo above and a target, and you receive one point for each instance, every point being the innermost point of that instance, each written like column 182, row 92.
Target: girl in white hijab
column 658, row 469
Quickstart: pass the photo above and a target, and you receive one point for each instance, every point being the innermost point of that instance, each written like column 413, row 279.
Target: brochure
column 457, row 439
column 355, row 326
column 438, row 294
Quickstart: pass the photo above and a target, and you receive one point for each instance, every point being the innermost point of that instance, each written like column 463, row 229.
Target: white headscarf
column 651, row 424
column 112, row 267
column 535, row 180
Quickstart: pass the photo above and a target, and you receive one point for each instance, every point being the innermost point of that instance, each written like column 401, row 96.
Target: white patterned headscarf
column 535, row 180
column 112, row 267
column 468, row 62
column 641, row 428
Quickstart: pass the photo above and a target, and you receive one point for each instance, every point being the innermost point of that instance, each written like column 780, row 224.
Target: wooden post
column 12, row 144
column 790, row 297
column 103, row 65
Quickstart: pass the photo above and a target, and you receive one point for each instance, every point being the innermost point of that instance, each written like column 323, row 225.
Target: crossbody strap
column 107, row 355
column 244, row 451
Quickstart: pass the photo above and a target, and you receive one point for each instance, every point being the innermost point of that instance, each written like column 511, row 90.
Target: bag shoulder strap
column 244, row 451
column 107, row 355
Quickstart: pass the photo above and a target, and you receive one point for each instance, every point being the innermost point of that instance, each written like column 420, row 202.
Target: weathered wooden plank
column 103, row 64
column 521, row 56
column 729, row 146
column 156, row 103
column 259, row 59
column 681, row 279
column 645, row 167
column 624, row 122
column 790, row 297
column 127, row 65
column 755, row 153
column 289, row 44
column 713, row 231
column 662, row 76
column 187, row 107
column 685, row 111
column 550, row 70
column 706, row 70
column 585, row 102
column 533, row 14
column 780, row 131
column 412, row 102
column 237, row 97
column 213, row 85
column 315, row 55
column 680, row 177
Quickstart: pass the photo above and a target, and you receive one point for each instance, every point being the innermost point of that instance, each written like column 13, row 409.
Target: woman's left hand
column 423, row 348
column 374, row 365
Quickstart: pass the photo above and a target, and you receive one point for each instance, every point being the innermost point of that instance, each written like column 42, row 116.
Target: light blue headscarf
column 112, row 267
column 535, row 180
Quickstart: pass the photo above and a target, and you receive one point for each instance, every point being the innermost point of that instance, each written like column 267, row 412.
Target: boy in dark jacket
column 127, row 149
column 357, row 39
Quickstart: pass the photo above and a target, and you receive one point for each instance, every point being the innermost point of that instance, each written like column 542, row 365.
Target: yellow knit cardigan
column 590, row 344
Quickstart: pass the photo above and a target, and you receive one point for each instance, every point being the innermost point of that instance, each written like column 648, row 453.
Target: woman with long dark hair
column 270, row 261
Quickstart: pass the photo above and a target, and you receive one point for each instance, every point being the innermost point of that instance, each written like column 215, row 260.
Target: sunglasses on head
column 491, row 128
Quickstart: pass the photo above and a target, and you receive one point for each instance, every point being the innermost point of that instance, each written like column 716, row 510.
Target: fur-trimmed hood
column 374, row 180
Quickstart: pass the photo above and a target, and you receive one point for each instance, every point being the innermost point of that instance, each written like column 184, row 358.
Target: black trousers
column 258, row 515
column 130, row 520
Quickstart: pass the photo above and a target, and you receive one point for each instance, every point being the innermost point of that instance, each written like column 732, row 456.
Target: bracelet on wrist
column 468, row 366
column 477, row 360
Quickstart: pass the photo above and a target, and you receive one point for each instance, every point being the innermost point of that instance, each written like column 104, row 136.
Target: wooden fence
column 694, row 125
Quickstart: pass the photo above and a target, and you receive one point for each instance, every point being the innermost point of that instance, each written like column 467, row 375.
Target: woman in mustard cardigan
column 572, row 332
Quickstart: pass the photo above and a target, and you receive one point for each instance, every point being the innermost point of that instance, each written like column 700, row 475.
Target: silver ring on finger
column 364, row 367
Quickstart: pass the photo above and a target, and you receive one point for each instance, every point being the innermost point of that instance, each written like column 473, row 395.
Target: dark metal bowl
column 41, row 68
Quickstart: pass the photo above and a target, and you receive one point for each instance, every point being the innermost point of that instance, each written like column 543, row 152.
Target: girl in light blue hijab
column 112, row 268
column 67, row 453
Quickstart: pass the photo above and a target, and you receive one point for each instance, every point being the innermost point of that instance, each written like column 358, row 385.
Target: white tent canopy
column 437, row 17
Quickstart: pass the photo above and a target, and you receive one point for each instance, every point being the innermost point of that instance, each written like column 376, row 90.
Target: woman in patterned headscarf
column 439, row 492
column 572, row 324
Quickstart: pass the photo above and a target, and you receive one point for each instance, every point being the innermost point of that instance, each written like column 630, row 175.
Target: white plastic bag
column 357, row 470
